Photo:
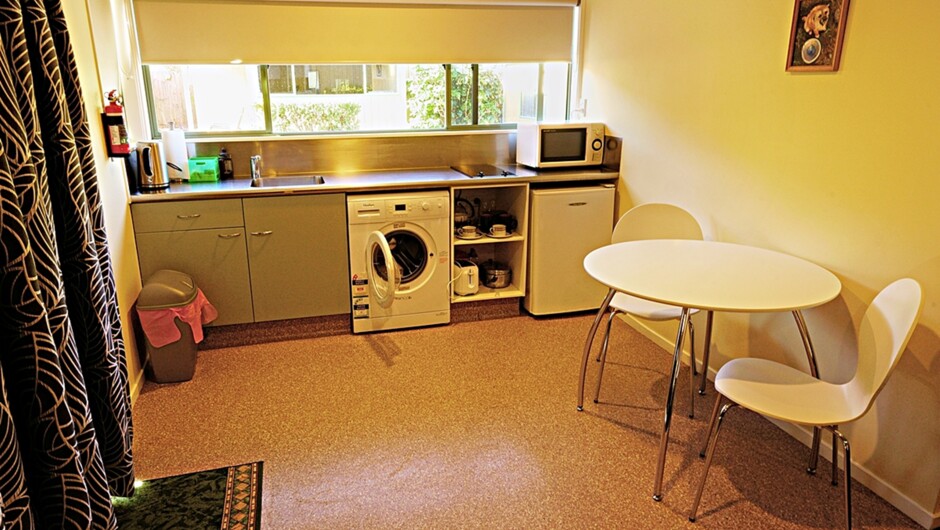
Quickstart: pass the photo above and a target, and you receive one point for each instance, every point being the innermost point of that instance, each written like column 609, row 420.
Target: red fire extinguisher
column 114, row 130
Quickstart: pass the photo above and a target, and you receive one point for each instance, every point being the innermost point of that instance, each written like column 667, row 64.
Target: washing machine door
column 384, row 273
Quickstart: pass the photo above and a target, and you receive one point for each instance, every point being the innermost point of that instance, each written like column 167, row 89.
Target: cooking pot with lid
column 495, row 275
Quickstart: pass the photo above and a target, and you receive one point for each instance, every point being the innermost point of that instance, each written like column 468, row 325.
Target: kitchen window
column 232, row 100
column 204, row 99
column 500, row 94
column 303, row 79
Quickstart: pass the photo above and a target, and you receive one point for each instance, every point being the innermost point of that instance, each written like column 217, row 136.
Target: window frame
column 449, row 126
column 475, row 97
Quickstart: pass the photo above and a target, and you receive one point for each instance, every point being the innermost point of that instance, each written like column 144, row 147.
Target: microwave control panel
column 597, row 145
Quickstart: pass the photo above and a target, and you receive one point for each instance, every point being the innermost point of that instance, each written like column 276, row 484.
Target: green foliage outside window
column 490, row 95
column 343, row 88
column 427, row 103
column 425, row 95
column 314, row 117
column 491, row 98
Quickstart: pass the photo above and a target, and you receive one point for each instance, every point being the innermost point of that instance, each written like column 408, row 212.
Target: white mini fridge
column 565, row 224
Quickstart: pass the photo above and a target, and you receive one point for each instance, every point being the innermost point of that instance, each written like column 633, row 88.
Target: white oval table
column 710, row 276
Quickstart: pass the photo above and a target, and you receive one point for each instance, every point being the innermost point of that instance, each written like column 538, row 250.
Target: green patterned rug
column 227, row 498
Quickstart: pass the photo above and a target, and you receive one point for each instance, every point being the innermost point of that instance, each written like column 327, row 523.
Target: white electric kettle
column 466, row 277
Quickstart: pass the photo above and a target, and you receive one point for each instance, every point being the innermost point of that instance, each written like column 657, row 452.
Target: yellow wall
column 111, row 177
column 838, row 168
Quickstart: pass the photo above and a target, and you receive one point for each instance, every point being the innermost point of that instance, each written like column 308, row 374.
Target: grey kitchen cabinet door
column 215, row 258
column 298, row 255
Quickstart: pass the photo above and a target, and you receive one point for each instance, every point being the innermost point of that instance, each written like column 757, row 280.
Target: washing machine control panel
column 413, row 207
column 378, row 209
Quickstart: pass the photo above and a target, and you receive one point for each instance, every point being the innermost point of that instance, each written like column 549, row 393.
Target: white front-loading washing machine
column 399, row 259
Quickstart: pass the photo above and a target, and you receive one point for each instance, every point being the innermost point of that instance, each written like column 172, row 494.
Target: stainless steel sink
column 281, row 182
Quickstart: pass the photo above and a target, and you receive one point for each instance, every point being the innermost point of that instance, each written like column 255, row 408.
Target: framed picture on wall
column 816, row 35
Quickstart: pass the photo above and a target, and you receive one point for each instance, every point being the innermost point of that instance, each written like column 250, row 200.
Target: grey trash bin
column 176, row 361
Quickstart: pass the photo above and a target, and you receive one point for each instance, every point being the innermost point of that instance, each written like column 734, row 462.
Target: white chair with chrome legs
column 655, row 221
column 778, row 391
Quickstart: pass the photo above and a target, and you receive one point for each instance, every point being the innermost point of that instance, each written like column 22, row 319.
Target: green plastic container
column 204, row 169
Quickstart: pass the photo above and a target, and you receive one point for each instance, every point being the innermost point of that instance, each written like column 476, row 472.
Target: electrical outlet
column 580, row 111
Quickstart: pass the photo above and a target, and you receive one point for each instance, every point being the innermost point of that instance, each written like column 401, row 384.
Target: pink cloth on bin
column 160, row 324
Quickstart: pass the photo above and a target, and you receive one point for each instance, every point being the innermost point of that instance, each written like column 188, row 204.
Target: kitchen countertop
column 356, row 181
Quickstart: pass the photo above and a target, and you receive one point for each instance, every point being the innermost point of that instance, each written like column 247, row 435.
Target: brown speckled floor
column 474, row 425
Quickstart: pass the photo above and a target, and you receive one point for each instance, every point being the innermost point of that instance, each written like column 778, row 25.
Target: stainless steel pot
column 495, row 275
column 151, row 167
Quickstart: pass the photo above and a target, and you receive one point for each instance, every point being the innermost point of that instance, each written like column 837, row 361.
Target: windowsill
column 338, row 136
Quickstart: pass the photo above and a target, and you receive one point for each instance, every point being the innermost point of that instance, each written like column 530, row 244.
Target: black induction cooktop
column 482, row 170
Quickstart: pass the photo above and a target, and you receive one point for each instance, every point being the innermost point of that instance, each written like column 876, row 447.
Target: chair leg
column 835, row 460
column 588, row 341
column 711, row 426
column 610, row 320
column 708, row 347
column 846, row 474
column 814, row 452
column 602, row 356
column 712, row 442
column 692, row 371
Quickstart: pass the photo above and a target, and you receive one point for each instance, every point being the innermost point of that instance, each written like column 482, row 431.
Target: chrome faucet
column 255, row 164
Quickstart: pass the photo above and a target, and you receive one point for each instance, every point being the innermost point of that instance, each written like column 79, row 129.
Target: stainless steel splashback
column 349, row 153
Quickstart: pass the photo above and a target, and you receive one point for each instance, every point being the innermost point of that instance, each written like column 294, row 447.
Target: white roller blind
column 313, row 32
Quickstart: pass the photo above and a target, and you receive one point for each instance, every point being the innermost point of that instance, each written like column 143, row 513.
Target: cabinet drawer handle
column 264, row 233
column 190, row 216
column 230, row 236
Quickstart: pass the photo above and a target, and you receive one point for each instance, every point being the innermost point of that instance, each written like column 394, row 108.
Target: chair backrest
column 885, row 330
column 656, row 221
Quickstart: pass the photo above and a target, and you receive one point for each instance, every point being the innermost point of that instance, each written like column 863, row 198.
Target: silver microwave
column 547, row 145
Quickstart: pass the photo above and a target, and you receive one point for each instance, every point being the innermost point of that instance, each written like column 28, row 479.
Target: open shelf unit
column 512, row 251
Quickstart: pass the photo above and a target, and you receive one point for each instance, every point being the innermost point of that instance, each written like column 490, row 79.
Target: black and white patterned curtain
column 65, row 420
